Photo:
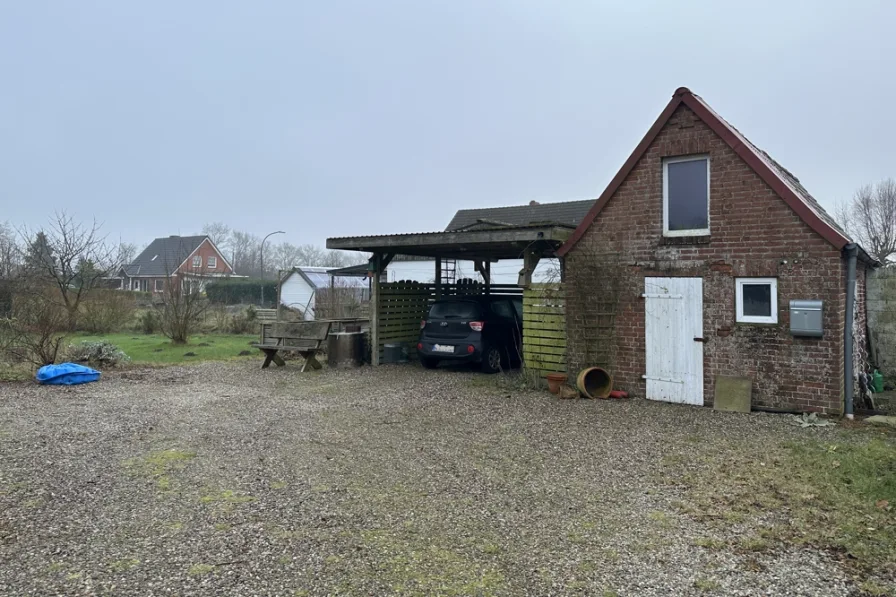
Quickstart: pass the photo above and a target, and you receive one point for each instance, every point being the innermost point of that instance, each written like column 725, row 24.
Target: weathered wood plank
column 534, row 343
column 544, row 350
column 312, row 330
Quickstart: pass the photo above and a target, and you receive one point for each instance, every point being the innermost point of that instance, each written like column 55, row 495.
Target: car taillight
column 471, row 349
column 422, row 324
column 477, row 326
column 419, row 345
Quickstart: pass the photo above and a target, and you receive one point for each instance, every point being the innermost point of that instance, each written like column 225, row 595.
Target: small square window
column 160, row 285
column 686, row 196
column 757, row 300
column 212, row 262
column 197, row 261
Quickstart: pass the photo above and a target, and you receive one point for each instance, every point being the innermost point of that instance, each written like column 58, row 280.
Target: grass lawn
column 157, row 349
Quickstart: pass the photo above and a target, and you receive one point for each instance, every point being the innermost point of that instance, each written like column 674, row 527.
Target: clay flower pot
column 555, row 380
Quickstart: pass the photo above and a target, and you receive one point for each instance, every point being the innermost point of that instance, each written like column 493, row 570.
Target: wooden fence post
column 374, row 309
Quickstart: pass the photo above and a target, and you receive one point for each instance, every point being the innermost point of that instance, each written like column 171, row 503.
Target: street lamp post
column 261, row 258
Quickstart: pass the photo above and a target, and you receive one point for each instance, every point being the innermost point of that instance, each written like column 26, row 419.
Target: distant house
column 304, row 287
column 187, row 259
column 568, row 213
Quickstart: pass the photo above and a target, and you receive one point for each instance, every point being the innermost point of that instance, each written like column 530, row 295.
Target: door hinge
column 699, row 339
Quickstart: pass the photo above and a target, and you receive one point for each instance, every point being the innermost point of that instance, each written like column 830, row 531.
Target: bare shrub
column 244, row 323
column 182, row 310
column 339, row 301
column 36, row 329
column 148, row 322
column 218, row 318
column 105, row 311
column 96, row 353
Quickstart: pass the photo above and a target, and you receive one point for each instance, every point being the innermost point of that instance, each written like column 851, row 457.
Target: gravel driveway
column 222, row 479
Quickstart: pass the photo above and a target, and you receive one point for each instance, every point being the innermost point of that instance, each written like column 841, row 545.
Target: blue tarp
column 66, row 374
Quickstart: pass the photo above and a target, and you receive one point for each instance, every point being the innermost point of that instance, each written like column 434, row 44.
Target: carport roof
column 508, row 242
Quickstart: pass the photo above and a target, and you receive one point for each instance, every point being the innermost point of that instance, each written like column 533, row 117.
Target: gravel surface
column 222, row 479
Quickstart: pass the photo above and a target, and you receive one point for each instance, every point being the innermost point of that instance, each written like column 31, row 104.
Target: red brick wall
column 753, row 233
column 206, row 250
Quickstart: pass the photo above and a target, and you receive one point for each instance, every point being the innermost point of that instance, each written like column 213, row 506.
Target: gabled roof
column 164, row 255
column 785, row 184
column 566, row 213
column 319, row 277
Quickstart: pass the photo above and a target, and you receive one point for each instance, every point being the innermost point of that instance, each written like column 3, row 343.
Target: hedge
column 239, row 292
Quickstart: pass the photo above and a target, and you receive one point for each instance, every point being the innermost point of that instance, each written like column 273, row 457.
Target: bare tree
column 10, row 257
column 246, row 251
column 871, row 217
column 71, row 257
column 127, row 252
column 287, row 256
column 220, row 233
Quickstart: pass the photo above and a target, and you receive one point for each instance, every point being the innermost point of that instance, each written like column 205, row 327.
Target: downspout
column 852, row 252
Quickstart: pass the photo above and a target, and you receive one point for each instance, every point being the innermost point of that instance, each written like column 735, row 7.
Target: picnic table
column 305, row 337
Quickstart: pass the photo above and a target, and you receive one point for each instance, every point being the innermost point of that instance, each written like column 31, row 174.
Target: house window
column 757, row 300
column 212, row 262
column 686, row 196
column 160, row 285
column 197, row 261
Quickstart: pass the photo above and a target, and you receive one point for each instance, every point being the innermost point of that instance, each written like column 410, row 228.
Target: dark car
column 479, row 329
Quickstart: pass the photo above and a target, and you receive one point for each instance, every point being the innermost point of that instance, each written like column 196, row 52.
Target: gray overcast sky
column 356, row 117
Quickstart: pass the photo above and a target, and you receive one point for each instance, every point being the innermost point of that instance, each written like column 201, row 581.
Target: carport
column 396, row 308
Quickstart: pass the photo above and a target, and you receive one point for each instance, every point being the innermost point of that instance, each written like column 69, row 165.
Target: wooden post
column 279, row 282
column 375, row 263
column 487, row 274
column 530, row 262
column 438, row 278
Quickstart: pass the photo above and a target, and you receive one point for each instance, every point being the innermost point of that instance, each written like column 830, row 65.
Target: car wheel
column 491, row 360
column 429, row 362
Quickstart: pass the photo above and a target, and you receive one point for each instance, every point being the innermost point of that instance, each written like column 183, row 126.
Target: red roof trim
column 733, row 139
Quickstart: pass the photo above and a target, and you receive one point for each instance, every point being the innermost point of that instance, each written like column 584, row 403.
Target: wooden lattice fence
column 402, row 305
column 544, row 328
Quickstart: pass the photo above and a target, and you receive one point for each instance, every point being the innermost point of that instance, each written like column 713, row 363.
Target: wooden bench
column 305, row 337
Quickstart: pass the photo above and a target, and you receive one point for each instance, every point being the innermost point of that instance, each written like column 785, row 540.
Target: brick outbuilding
column 698, row 245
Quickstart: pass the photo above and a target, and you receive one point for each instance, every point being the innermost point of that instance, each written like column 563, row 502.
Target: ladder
column 449, row 271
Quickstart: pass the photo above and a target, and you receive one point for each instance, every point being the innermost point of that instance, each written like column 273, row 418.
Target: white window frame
column 687, row 158
column 197, row 261
column 156, row 285
column 212, row 262
column 739, row 300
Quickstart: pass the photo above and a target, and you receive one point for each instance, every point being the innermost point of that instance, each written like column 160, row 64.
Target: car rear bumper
column 461, row 352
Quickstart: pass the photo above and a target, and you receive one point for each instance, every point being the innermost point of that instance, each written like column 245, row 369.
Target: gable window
column 686, row 196
column 757, row 300
column 197, row 261
column 212, row 262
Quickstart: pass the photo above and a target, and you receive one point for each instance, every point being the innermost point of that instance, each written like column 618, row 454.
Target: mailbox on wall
column 806, row 318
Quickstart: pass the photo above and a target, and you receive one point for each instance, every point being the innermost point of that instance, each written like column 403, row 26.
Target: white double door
column 673, row 334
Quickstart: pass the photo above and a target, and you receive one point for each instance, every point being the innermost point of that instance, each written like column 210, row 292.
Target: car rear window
column 455, row 310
